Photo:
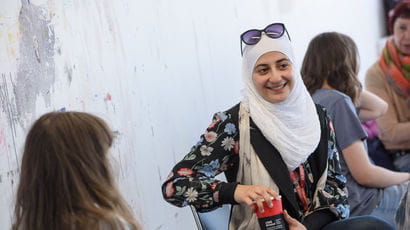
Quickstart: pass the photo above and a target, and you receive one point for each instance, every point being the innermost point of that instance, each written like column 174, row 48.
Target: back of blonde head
column 65, row 178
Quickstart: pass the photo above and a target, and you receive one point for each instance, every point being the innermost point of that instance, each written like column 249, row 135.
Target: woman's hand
column 292, row 222
column 248, row 194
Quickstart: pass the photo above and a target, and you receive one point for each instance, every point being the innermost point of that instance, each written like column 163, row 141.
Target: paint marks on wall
column 8, row 107
column 35, row 70
column 69, row 71
column 108, row 97
column 109, row 105
column 6, row 100
column 9, row 176
column 2, row 137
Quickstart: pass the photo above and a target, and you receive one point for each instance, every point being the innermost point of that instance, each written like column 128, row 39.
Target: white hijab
column 292, row 126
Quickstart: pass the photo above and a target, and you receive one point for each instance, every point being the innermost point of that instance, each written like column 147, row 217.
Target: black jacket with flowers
column 192, row 179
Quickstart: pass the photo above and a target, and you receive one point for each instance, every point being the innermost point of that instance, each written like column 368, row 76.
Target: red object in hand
column 271, row 218
column 275, row 210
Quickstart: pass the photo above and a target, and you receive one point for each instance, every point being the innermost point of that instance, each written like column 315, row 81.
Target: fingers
column 260, row 196
column 259, row 203
column 267, row 194
column 268, row 199
column 242, row 195
column 249, row 201
column 288, row 218
column 255, row 194
column 274, row 194
column 292, row 222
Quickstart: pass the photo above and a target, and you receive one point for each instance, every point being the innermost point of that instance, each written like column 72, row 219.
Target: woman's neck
column 326, row 85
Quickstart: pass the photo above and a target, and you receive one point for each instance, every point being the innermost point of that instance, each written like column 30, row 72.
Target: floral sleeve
column 334, row 193
column 192, row 181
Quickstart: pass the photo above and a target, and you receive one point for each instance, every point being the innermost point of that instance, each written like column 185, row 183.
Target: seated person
column 275, row 142
column 370, row 107
column 65, row 177
column 389, row 79
column 329, row 70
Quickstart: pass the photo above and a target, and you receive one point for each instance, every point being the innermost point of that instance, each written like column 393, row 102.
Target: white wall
column 155, row 70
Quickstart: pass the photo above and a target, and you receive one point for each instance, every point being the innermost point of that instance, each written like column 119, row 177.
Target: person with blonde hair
column 65, row 177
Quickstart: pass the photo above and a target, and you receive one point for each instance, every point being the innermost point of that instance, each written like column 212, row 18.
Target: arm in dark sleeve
column 192, row 180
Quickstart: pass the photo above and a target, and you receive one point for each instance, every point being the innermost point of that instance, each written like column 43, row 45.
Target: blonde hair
column 65, row 179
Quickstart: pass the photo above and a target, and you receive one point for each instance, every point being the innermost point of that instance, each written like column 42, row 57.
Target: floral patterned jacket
column 192, row 180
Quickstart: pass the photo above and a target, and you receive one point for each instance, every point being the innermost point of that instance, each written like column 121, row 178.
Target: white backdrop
column 155, row 70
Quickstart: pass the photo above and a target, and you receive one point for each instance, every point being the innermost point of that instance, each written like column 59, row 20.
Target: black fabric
column 318, row 219
column 227, row 191
column 379, row 154
column 359, row 223
column 318, row 161
column 270, row 156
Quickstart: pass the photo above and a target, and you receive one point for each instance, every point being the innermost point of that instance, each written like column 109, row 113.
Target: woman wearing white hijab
column 275, row 142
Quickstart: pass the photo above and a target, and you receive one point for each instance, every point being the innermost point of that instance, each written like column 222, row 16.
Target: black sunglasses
column 253, row 36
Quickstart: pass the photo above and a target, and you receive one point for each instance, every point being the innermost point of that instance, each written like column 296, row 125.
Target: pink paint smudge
column 108, row 97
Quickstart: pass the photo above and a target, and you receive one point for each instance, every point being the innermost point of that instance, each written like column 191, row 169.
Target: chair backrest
column 217, row 219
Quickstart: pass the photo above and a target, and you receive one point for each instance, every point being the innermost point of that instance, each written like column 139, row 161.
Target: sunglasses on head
column 253, row 36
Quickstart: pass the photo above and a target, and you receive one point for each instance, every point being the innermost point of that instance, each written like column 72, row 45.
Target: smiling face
column 273, row 76
column 401, row 34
